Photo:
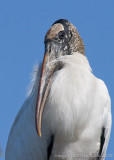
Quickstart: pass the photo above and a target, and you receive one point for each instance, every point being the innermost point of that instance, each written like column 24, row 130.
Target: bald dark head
column 64, row 33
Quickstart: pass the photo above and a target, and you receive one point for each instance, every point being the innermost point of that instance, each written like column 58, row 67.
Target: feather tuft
column 33, row 77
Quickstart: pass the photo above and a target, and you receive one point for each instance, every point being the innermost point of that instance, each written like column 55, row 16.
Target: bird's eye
column 61, row 34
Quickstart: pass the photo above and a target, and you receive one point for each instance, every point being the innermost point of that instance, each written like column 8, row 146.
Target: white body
column 77, row 109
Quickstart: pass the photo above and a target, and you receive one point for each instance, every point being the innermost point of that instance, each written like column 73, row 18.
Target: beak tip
column 38, row 130
column 39, row 133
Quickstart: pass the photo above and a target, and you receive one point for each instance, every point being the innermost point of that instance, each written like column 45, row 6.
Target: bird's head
column 61, row 39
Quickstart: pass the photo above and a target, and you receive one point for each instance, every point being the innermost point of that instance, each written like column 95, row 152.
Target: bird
column 67, row 114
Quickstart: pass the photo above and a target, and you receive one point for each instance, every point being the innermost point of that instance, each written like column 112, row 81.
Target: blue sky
column 23, row 24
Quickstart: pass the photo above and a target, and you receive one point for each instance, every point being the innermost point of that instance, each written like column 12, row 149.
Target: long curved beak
column 44, row 89
column 43, row 92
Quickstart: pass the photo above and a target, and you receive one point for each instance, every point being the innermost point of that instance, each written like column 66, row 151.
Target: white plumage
column 76, row 115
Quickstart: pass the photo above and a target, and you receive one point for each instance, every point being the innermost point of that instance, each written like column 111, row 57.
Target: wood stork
column 68, row 106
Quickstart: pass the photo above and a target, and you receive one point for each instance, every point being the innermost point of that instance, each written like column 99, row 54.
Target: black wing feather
column 102, row 141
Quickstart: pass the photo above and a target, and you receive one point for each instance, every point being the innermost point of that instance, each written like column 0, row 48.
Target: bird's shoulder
column 103, row 91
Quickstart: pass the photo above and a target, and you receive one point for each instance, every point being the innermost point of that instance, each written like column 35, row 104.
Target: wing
column 23, row 142
column 106, row 125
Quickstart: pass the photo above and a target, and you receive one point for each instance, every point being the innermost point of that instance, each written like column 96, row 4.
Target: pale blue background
column 23, row 24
